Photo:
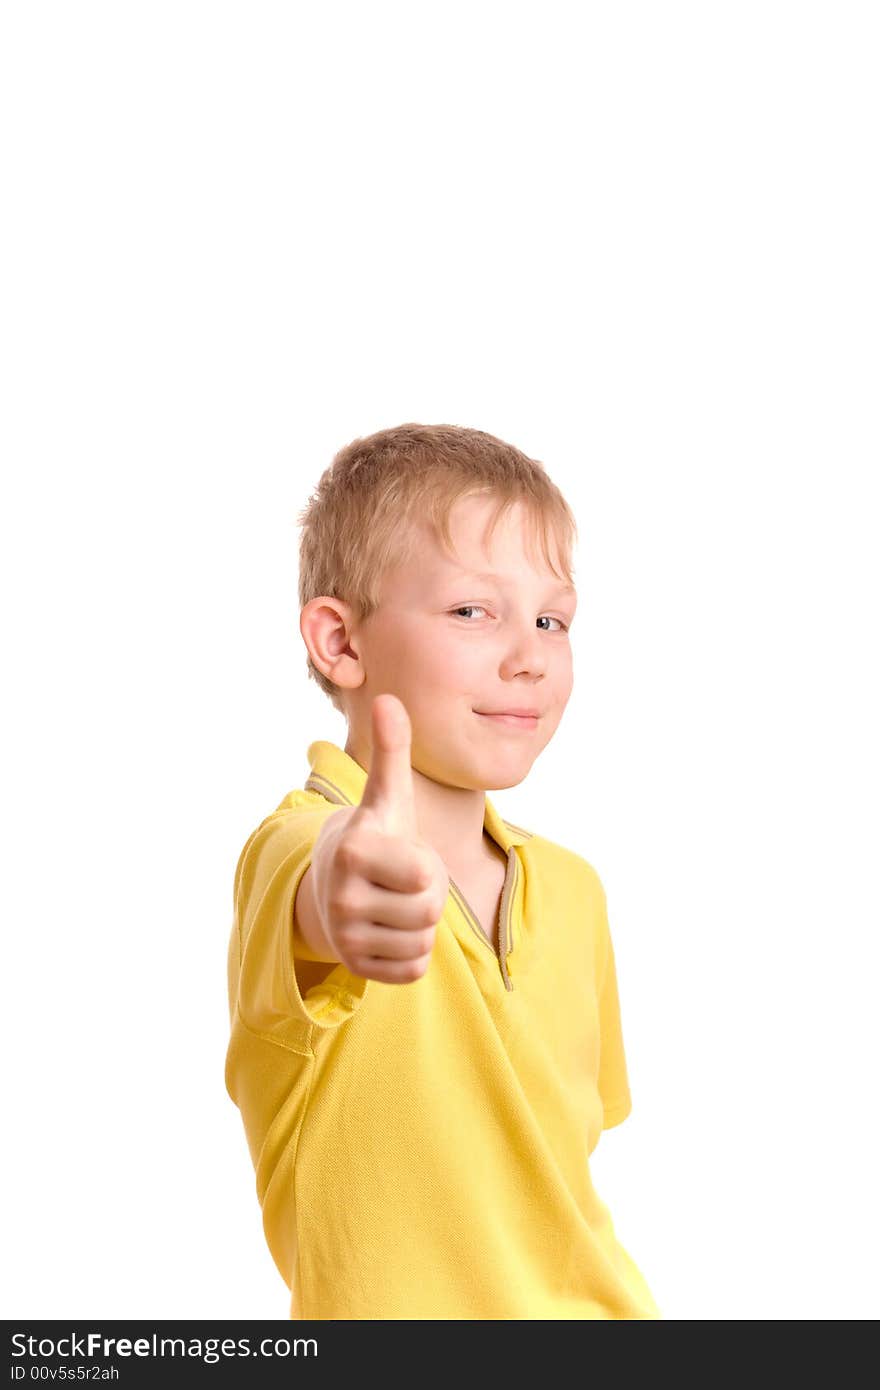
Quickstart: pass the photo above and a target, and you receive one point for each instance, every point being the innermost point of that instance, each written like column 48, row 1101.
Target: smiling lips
column 514, row 719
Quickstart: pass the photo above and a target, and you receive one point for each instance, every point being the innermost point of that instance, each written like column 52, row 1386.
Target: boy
column 426, row 1038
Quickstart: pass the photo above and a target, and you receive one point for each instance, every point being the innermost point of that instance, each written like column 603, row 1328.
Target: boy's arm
column 309, row 939
column 267, row 998
column 313, row 956
column 613, row 1075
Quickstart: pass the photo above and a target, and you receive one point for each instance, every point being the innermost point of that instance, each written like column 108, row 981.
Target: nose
column 525, row 650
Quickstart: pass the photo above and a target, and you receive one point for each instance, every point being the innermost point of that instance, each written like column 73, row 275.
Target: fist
column 379, row 887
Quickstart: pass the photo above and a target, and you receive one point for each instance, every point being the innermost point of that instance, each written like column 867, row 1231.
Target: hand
column 380, row 889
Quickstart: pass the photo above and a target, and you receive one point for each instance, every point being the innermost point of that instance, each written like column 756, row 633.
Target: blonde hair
column 359, row 521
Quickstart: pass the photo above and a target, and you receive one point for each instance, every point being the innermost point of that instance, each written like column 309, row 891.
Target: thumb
column 389, row 789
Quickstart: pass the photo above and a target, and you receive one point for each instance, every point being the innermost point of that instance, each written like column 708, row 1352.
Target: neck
column 450, row 819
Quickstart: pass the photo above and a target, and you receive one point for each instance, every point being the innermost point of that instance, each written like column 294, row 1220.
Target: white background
column 640, row 242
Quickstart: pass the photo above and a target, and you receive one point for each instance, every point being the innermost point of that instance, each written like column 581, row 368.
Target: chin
column 502, row 786
column 498, row 782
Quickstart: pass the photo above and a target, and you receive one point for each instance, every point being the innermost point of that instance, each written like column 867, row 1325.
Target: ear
column 327, row 627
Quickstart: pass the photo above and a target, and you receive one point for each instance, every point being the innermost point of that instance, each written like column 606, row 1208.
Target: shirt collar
column 336, row 776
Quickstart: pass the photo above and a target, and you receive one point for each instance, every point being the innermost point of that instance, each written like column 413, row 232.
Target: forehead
column 512, row 554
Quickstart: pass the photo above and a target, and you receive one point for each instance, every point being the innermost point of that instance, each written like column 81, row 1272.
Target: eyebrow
column 496, row 579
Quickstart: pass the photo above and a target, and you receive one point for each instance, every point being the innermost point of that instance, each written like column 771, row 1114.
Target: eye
column 476, row 607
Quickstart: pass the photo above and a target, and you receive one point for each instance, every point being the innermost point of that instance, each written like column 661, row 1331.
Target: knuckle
column 340, row 904
column 348, row 855
column 354, row 940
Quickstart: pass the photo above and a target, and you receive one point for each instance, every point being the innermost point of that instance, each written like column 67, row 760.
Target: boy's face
column 506, row 649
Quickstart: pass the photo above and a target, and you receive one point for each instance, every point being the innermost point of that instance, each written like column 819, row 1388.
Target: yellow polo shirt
column 421, row 1150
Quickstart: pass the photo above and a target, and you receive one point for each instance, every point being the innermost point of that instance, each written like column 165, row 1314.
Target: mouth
column 510, row 718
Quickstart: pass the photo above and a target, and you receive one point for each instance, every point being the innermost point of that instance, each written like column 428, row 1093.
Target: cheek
column 447, row 673
column 429, row 658
column 475, row 651
column 563, row 667
column 449, row 662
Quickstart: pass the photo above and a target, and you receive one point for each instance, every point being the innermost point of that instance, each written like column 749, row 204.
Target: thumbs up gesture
column 380, row 889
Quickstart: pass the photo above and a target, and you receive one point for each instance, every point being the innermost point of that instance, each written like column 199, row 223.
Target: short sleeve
column 614, row 1088
column 263, row 988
